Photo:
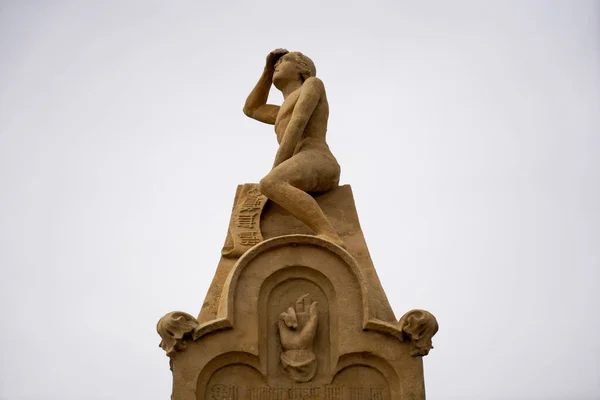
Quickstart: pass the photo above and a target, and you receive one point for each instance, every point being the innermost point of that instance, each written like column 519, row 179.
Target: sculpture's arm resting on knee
column 256, row 106
column 308, row 100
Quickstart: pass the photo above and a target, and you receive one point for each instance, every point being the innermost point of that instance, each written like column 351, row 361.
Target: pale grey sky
column 469, row 131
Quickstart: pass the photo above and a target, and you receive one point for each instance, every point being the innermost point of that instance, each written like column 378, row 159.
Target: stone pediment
column 296, row 316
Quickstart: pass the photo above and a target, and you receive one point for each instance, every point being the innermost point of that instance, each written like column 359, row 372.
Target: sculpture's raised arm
column 256, row 106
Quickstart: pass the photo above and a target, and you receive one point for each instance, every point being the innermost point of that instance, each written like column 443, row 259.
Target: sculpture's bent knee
column 269, row 186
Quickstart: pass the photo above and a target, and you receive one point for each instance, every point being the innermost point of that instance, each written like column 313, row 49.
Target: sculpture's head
column 292, row 66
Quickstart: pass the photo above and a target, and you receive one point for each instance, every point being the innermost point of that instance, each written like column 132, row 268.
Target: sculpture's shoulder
column 314, row 83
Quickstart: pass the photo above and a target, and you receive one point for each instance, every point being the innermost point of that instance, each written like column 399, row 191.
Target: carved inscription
column 326, row 392
column 249, row 239
column 224, row 392
column 253, row 201
column 246, row 221
column 244, row 227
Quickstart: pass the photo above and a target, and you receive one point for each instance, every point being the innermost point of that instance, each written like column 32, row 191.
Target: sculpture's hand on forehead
column 274, row 56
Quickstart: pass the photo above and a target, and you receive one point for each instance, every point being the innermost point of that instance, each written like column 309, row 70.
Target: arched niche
column 279, row 292
column 239, row 299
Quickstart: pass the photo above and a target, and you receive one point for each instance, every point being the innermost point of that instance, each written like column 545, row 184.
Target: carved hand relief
column 297, row 330
column 419, row 327
column 174, row 328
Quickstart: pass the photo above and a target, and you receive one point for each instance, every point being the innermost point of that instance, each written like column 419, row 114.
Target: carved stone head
column 419, row 327
column 174, row 328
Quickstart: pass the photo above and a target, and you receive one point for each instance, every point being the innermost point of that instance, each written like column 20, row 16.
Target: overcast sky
column 469, row 131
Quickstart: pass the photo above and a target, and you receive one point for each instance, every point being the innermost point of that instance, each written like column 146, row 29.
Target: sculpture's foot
column 334, row 239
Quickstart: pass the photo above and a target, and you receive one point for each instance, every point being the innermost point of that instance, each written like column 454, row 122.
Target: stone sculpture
column 303, row 164
column 295, row 309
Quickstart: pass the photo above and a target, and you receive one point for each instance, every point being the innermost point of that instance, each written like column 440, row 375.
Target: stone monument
column 295, row 309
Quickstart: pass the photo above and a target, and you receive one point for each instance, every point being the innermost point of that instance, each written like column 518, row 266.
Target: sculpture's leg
column 298, row 203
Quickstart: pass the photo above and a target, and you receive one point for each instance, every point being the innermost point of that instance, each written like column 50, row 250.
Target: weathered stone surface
column 295, row 309
column 297, row 315
column 338, row 205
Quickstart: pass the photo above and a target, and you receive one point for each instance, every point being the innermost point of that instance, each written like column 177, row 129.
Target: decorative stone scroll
column 244, row 226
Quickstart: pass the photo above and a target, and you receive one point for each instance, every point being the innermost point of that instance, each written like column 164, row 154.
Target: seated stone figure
column 303, row 164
